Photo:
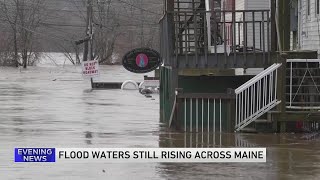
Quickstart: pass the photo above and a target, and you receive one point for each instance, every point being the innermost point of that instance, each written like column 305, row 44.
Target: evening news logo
column 34, row 154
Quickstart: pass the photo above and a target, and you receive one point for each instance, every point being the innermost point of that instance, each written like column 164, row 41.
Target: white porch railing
column 303, row 91
column 256, row 97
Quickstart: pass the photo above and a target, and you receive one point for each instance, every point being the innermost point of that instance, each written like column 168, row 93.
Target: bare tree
column 24, row 17
column 106, row 31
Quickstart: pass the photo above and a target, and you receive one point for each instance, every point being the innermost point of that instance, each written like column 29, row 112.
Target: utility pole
column 86, row 43
column 142, row 19
column 91, row 29
column 89, row 33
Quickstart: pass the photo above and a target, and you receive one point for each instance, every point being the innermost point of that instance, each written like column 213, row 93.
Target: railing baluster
column 215, row 26
column 197, row 139
column 236, row 119
column 195, row 35
column 257, row 97
column 268, row 37
column 224, row 38
column 263, row 40
column 251, row 100
column 254, row 97
column 239, row 33
column 242, row 108
column 208, row 118
column 186, row 39
column 245, row 104
column 220, row 140
column 202, row 115
column 290, row 83
column 220, row 119
column 202, row 140
column 254, row 33
column 244, row 37
column 262, row 93
column 265, row 90
column 185, row 114
column 185, row 139
column 197, row 116
column 276, row 85
column 205, row 25
column 270, row 84
column 214, row 115
column 234, row 39
column 190, row 115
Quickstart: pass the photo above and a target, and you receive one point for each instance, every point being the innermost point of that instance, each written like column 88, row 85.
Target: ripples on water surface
column 54, row 107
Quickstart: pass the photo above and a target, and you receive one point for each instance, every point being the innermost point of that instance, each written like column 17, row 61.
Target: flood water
column 50, row 106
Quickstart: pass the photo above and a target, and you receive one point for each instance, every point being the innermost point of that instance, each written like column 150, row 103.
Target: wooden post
column 230, row 112
column 179, row 104
column 284, row 23
column 169, row 5
column 282, row 92
column 274, row 45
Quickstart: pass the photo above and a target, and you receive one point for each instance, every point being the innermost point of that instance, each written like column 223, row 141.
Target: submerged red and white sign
column 90, row 68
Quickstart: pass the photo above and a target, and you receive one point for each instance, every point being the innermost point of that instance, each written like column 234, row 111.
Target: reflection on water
column 54, row 107
column 289, row 156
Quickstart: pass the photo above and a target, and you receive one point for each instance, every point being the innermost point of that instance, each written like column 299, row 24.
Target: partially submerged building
column 209, row 47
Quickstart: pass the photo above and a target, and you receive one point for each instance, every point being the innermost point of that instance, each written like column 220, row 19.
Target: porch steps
column 256, row 98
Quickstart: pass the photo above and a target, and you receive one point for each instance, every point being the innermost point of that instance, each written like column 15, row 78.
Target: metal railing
column 256, row 97
column 303, row 87
column 199, row 33
column 204, row 112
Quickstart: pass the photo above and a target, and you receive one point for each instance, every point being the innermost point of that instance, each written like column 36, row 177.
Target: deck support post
column 282, row 91
column 177, row 117
column 283, row 126
column 230, row 112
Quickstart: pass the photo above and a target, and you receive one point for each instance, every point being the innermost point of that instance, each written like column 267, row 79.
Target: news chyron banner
column 142, row 155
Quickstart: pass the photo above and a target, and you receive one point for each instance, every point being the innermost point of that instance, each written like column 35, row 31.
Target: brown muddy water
column 54, row 107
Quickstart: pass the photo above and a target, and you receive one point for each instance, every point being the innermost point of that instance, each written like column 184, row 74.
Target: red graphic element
column 142, row 60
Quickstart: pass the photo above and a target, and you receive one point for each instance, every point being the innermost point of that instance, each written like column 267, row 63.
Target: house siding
column 309, row 34
column 254, row 5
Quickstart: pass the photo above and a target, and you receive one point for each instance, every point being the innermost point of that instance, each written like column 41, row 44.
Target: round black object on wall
column 141, row 60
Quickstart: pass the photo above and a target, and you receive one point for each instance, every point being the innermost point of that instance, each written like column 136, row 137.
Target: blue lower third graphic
column 34, row 155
